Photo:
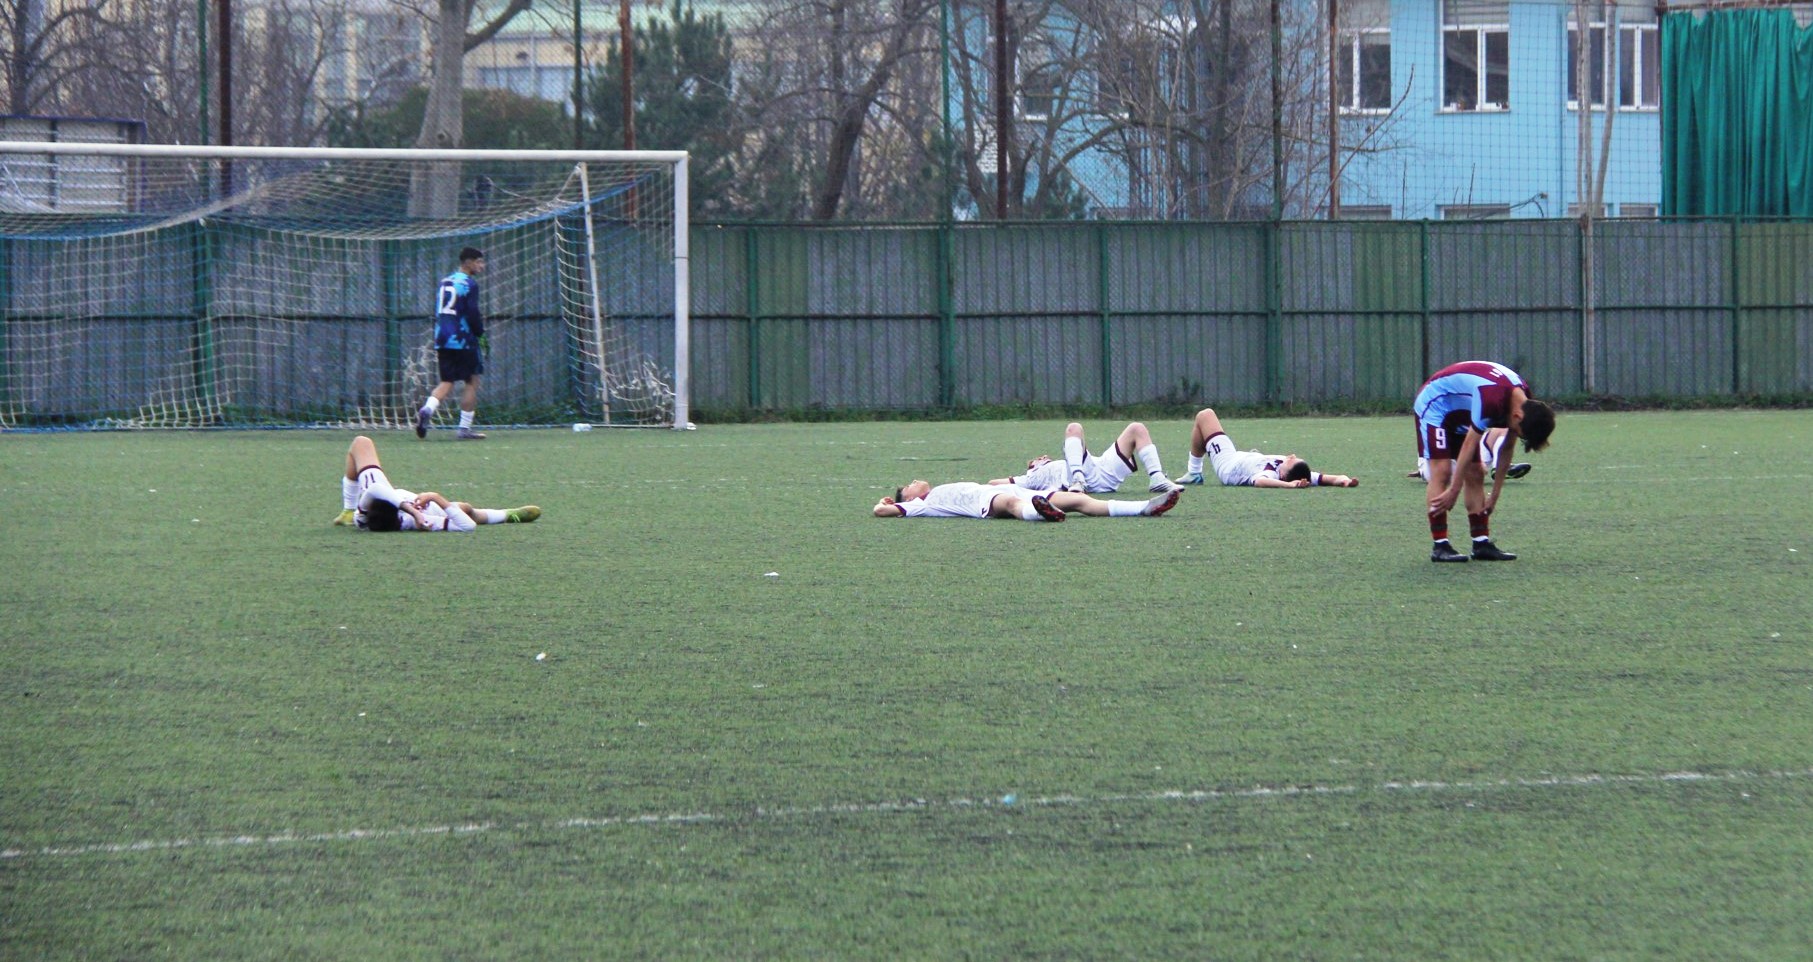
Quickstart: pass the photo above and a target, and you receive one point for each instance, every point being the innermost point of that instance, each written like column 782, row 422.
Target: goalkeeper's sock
column 349, row 493
column 431, row 405
column 466, row 418
column 490, row 515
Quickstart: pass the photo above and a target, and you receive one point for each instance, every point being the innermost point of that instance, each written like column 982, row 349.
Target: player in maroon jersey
column 1454, row 410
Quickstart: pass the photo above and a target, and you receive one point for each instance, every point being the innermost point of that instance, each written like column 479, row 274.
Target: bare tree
column 434, row 191
column 825, row 80
column 43, row 49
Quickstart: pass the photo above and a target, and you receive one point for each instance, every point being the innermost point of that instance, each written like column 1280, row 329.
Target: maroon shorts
column 1441, row 442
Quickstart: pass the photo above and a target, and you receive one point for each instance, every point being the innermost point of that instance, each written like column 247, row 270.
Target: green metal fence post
column 1422, row 262
column 202, row 367
column 1104, row 292
column 1737, row 306
column 1588, row 380
column 947, row 320
column 1274, row 310
column 752, row 306
column 6, row 301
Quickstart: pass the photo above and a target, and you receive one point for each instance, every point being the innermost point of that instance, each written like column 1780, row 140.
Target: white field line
column 911, row 805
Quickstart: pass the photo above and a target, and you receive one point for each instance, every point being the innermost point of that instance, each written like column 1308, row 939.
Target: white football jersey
column 960, row 499
column 1240, row 467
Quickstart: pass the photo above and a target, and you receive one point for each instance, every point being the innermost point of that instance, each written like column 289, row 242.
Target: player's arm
column 1001, row 481
column 1277, row 483
column 1337, row 481
column 415, row 513
column 886, row 508
column 1505, row 449
column 427, row 498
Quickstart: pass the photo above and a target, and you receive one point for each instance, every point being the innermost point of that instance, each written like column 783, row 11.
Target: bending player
column 1235, row 467
column 968, row 499
column 1096, row 473
column 1489, row 450
column 371, row 503
column 1457, row 407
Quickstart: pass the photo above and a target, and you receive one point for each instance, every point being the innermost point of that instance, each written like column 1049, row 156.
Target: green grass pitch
column 769, row 725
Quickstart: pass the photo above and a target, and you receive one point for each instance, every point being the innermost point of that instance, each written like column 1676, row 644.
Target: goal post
column 172, row 286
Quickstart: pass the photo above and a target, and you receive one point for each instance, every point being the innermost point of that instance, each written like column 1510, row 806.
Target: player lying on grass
column 1489, row 450
column 1235, row 467
column 1457, row 407
column 371, row 503
column 968, row 499
column 1096, row 473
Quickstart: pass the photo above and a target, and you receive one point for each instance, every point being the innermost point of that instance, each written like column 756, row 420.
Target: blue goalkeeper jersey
column 457, row 322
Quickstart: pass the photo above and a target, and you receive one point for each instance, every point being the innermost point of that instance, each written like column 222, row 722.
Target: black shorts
column 461, row 364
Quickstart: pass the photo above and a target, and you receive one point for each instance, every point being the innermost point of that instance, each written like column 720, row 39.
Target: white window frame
column 1630, row 37
column 1482, row 34
column 1352, row 41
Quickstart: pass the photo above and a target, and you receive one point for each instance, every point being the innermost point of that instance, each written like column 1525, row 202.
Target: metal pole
column 626, row 41
column 944, row 93
column 1004, row 116
column 225, row 11
column 1277, row 113
column 201, row 60
column 578, row 80
column 1334, row 108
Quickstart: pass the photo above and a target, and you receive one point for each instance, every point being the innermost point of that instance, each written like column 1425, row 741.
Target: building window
column 1476, row 55
column 1474, row 211
column 1363, row 57
column 1041, row 72
column 1647, row 211
column 1365, row 211
column 1639, row 59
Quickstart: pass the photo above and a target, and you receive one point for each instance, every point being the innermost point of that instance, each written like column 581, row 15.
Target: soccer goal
column 169, row 286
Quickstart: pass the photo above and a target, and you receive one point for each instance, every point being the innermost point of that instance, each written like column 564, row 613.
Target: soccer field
column 709, row 707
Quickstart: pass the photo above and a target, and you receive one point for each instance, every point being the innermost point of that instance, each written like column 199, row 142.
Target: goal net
column 159, row 286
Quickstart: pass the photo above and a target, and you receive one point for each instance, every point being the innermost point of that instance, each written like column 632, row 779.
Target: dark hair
column 1538, row 423
column 470, row 254
column 381, row 515
column 1297, row 472
column 900, row 494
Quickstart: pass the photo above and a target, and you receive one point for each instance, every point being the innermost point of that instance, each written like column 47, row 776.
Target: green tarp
column 1737, row 114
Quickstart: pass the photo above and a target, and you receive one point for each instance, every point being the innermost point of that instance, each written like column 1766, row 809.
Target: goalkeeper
column 459, row 342
column 370, row 502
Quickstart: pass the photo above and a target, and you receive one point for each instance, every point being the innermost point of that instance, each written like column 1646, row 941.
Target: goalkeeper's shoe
column 467, row 434
column 345, row 518
column 522, row 515
column 1194, row 477
column 1162, row 503
column 421, row 422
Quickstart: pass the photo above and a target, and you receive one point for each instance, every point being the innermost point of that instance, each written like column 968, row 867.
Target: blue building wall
column 1522, row 157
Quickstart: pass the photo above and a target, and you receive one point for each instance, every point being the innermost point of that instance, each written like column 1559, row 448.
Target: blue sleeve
column 475, row 321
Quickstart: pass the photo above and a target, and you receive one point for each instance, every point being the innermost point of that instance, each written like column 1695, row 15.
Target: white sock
column 431, row 405
column 349, row 493
column 489, row 515
column 1125, row 509
column 1073, row 454
column 466, row 418
column 1488, row 453
column 1028, row 512
column 1148, row 458
column 1195, row 464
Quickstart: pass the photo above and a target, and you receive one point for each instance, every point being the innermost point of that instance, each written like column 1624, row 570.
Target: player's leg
column 1432, row 443
column 1098, row 508
column 1074, row 456
column 469, row 406
column 1206, row 426
column 1135, row 442
column 1025, row 508
column 362, row 453
column 1479, row 523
